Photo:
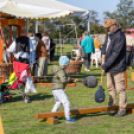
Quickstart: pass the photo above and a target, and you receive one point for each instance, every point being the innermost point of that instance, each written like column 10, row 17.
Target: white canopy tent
column 39, row 9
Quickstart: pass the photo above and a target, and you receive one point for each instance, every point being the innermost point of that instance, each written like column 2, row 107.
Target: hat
column 64, row 60
column 109, row 22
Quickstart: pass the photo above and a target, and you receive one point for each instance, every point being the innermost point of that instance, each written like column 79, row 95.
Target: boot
column 121, row 113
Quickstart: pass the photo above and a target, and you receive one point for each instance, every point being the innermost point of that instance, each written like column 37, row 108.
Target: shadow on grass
column 78, row 117
column 34, row 97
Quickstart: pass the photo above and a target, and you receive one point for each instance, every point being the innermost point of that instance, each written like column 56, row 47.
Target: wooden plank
column 81, row 111
column 52, row 120
column 9, row 96
column 1, row 127
column 50, row 84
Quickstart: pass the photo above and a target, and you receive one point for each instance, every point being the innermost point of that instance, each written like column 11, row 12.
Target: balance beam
column 50, row 84
column 50, row 115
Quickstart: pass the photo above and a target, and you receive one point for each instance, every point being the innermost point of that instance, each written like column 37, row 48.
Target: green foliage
column 124, row 14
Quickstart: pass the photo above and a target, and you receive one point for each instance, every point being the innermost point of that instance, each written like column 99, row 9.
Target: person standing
column 129, row 49
column 46, row 40
column 97, row 44
column 114, row 54
column 41, row 65
column 88, row 45
column 80, row 47
column 52, row 49
column 34, row 42
column 21, row 48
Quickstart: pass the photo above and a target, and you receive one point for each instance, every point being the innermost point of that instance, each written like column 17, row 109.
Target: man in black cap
column 114, row 55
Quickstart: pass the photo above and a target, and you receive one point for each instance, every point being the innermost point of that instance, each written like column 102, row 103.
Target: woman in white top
column 129, row 49
column 46, row 40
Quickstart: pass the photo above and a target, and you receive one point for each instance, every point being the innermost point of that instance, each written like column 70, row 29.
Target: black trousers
column 129, row 57
column 87, row 60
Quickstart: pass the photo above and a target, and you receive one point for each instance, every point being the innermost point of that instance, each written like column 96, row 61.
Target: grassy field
column 18, row 117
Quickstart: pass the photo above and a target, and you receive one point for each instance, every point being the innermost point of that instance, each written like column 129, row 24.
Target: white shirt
column 129, row 40
column 25, row 55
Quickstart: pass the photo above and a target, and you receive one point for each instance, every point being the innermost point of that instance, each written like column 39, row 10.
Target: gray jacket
column 60, row 78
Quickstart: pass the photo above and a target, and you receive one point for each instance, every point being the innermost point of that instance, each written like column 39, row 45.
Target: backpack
column 100, row 95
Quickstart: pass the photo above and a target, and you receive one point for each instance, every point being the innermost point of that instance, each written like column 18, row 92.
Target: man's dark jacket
column 115, row 55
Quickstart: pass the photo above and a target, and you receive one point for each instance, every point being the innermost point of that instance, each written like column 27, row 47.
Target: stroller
column 21, row 71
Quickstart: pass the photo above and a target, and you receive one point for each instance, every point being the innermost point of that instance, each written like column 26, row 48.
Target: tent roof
column 38, row 9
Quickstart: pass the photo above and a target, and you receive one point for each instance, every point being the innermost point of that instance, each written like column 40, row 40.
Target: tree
column 124, row 14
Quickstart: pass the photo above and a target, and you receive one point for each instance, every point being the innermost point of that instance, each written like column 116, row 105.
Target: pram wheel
column 26, row 99
column 5, row 99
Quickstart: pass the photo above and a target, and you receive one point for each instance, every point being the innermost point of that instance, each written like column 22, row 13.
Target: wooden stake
column 1, row 127
column 52, row 120
column 50, row 84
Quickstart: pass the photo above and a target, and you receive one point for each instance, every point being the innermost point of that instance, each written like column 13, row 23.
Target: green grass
column 18, row 117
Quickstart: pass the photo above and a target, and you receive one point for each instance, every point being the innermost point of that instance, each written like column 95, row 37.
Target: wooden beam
column 50, row 84
column 71, row 24
column 1, row 127
column 12, row 22
column 81, row 111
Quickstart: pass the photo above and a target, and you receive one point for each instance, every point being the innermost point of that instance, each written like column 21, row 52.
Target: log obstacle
column 1, row 127
column 50, row 84
column 50, row 116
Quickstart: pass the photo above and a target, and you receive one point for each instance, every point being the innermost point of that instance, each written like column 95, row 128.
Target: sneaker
column 70, row 121
column 87, row 69
column 121, row 113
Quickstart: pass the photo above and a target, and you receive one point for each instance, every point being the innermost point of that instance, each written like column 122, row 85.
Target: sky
column 98, row 5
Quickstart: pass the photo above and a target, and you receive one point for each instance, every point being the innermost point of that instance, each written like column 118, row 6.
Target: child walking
column 59, row 81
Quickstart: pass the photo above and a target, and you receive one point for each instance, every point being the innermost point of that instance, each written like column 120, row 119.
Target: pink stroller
column 21, row 70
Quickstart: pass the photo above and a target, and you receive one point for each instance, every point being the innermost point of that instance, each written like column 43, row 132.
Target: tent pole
column 60, row 42
column 27, row 26
column 88, row 23
column 10, row 42
column 36, row 26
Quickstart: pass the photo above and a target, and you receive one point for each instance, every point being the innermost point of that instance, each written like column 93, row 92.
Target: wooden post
column 1, row 50
column 10, row 42
column 126, row 79
column 18, row 31
column 127, row 88
column 1, row 127
column 60, row 42
column 76, row 34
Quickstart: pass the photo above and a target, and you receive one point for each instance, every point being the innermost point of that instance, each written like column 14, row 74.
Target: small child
column 59, row 81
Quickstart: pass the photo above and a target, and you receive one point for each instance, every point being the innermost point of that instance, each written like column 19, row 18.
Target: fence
column 73, row 41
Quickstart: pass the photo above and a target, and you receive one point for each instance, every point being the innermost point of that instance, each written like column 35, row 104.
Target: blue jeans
column 32, row 57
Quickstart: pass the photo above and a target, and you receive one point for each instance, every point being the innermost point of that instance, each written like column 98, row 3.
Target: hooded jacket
column 62, row 80
column 88, row 44
column 115, row 55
